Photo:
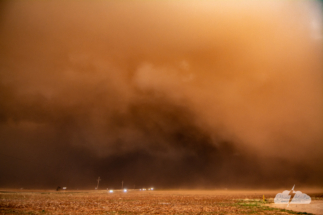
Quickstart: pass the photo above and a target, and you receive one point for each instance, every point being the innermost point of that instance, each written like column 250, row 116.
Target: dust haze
column 171, row 94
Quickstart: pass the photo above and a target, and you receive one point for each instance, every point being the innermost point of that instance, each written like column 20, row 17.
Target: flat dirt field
column 144, row 202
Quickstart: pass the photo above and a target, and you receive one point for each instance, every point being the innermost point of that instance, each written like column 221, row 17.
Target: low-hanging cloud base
column 164, row 94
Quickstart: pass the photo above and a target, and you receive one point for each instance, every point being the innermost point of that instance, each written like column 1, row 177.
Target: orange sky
column 209, row 90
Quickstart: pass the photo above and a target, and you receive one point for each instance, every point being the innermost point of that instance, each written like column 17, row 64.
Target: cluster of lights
column 144, row 189
column 125, row 190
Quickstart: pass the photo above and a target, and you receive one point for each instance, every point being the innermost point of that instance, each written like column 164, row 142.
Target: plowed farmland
column 140, row 202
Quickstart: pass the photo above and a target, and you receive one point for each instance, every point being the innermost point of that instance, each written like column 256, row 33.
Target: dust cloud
column 194, row 94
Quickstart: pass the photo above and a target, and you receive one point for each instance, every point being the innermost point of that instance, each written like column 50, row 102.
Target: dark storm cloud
column 201, row 94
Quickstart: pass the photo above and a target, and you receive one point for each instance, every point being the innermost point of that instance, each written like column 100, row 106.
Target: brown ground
column 141, row 202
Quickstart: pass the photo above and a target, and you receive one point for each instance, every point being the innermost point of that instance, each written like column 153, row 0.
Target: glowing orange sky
column 181, row 88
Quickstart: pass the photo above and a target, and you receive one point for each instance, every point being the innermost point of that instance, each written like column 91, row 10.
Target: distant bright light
column 125, row 190
column 144, row 189
column 110, row 191
column 152, row 188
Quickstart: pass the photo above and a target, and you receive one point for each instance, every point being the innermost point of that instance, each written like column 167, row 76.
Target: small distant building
column 60, row 188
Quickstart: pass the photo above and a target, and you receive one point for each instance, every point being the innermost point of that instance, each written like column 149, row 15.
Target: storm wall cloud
column 192, row 94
